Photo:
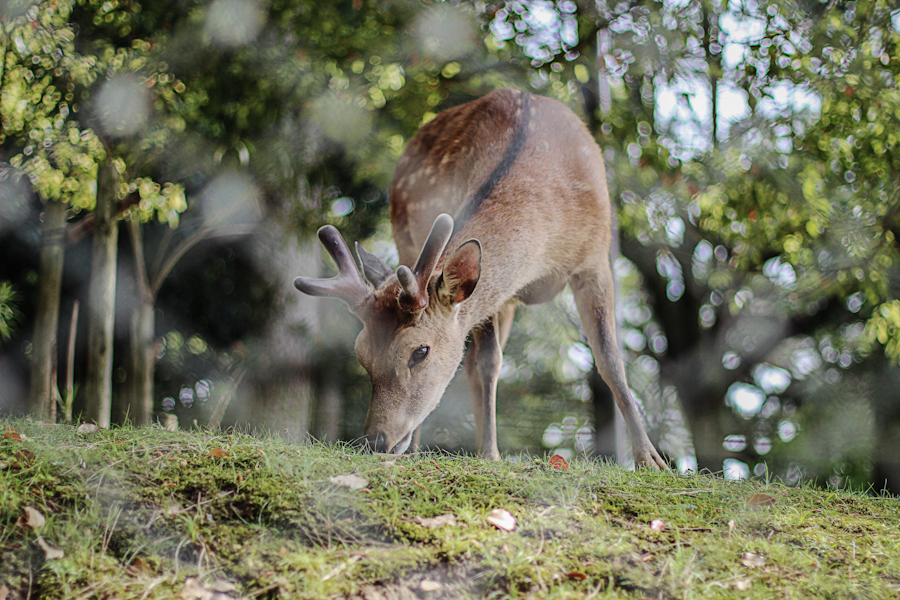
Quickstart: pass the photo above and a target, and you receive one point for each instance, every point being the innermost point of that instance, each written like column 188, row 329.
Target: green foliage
column 52, row 106
column 9, row 313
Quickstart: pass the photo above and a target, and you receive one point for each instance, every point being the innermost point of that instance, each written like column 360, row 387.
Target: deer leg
column 483, row 363
column 596, row 309
column 414, row 445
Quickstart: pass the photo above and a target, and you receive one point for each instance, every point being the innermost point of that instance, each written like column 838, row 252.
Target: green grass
column 146, row 513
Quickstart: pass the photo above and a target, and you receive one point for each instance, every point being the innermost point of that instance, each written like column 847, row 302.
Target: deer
column 525, row 184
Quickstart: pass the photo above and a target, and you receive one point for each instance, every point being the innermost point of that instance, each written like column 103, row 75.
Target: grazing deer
column 526, row 183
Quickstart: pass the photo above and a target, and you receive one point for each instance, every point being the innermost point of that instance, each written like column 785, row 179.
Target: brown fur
column 526, row 180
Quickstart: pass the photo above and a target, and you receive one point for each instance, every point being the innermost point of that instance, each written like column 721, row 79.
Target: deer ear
column 460, row 274
column 374, row 269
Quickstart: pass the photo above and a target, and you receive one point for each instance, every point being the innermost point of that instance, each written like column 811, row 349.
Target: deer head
column 412, row 339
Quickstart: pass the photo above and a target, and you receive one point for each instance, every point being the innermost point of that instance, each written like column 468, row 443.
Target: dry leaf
column 501, row 519
column 731, row 526
column 139, row 567
column 558, row 462
column 576, row 575
column 11, row 434
column 439, row 521
column 753, row 560
column 50, row 552
column 657, row 525
column 173, row 508
column 4, row 592
column 23, row 458
column 760, row 500
column 87, row 428
column 223, row 586
column 33, row 519
column 193, row 590
column 354, row 482
column 3, row 467
column 742, row 585
column 429, row 585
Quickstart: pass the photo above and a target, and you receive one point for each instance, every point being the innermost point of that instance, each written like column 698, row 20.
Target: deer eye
column 418, row 355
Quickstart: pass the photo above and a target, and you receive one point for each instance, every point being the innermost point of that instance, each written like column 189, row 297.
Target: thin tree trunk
column 886, row 458
column 143, row 363
column 714, row 65
column 101, row 308
column 143, row 341
column 70, row 364
column 40, row 401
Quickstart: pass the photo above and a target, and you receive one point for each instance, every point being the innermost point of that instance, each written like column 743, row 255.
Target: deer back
column 523, row 176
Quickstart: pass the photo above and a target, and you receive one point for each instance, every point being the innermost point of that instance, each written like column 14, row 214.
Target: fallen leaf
column 4, row 592
column 139, row 567
column 439, row 521
column 87, row 429
column 576, row 575
column 50, row 552
column 223, row 586
column 501, row 519
column 429, row 585
column 173, row 508
column 657, row 525
column 558, row 462
column 742, row 585
column 760, row 500
column 23, row 458
column 11, row 434
column 194, row 590
column 3, row 467
column 753, row 560
column 33, row 519
column 354, row 482
column 731, row 526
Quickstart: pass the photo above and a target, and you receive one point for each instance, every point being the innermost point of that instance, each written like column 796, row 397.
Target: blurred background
column 164, row 166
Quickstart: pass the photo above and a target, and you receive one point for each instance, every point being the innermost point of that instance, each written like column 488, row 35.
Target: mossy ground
column 147, row 513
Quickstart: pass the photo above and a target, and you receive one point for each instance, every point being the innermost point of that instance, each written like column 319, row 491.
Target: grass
column 147, row 513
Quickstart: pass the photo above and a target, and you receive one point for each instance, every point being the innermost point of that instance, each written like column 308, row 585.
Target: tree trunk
column 886, row 476
column 101, row 307
column 143, row 363
column 714, row 66
column 44, row 343
column 142, row 351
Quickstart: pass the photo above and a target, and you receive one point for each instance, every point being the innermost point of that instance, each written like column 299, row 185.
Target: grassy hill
column 147, row 513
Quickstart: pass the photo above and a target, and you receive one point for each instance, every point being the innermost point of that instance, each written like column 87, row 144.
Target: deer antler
column 348, row 285
column 415, row 283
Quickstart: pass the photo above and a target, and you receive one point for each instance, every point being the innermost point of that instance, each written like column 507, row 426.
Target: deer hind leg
column 596, row 309
column 483, row 362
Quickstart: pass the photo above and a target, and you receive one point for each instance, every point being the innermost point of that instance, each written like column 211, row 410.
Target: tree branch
column 191, row 241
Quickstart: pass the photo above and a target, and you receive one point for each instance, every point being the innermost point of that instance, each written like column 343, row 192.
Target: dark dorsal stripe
column 519, row 137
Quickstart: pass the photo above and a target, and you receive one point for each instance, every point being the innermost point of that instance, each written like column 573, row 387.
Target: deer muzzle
column 377, row 441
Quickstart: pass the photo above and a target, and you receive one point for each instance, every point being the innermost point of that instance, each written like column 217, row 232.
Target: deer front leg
column 483, row 362
column 594, row 299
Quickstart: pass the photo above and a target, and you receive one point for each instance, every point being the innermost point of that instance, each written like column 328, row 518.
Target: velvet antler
column 348, row 284
column 414, row 283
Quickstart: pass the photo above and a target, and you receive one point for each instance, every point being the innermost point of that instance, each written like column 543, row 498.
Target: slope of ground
column 147, row 513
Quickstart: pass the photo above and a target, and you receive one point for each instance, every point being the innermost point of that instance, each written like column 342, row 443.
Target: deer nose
column 377, row 442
